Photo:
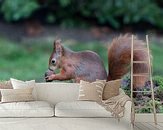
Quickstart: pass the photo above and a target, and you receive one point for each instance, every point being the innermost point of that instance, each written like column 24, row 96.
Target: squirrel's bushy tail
column 119, row 55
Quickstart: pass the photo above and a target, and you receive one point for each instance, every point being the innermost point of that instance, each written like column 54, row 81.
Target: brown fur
column 84, row 65
column 87, row 65
column 119, row 54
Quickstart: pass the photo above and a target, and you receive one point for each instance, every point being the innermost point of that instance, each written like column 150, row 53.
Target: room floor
column 62, row 124
column 73, row 124
column 148, row 126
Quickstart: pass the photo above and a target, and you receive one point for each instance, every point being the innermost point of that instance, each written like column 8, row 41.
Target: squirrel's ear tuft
column 57, row 42
column 58, row 46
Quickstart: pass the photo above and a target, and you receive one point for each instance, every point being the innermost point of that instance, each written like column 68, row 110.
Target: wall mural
column 88, row 66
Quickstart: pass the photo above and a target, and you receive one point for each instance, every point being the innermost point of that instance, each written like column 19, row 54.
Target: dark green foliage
column 14, row 10
column 81, row 12
column 158, row 81
column 126, row 84
column 144, row 99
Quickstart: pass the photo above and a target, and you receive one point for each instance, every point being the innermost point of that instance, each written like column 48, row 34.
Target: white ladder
column 149, row 74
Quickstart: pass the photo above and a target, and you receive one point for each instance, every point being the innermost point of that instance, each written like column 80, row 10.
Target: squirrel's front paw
column 50, row 78
column 47, row 79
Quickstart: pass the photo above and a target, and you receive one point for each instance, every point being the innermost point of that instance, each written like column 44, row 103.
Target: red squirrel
column 88, row 66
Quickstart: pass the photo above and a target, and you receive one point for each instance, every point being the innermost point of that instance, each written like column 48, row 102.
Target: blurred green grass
column 30, row 61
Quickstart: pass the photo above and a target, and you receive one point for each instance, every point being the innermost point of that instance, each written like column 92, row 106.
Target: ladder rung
column 140, row 61
column 142, row 91
column 141, row 74
column 140, row 49
column 139, row 107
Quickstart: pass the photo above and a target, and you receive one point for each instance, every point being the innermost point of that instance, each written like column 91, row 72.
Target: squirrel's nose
column 53, row 61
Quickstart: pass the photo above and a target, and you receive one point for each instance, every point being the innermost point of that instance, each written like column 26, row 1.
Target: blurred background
column 29, row 27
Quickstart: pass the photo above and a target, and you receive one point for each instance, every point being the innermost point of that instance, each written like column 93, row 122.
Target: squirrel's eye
column 53, row 61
